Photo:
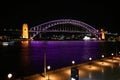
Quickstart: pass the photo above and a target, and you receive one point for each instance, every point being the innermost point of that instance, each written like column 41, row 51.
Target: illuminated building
column 25, row 31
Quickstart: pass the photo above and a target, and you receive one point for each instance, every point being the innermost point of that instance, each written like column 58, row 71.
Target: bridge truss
column 48, row 27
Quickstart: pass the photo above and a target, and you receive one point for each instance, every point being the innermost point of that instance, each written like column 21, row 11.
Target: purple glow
column 46, row 25
column 27, row 57
column 60, row 53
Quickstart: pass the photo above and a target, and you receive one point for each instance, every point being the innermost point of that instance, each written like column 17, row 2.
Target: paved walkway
column 107, row 69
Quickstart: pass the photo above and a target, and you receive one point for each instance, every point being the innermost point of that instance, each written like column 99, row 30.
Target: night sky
column 98, row 14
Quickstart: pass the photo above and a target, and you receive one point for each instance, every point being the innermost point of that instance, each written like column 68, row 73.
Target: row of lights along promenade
column 90, row 70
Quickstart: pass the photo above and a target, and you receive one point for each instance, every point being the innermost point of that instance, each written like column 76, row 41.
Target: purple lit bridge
column 54, row 26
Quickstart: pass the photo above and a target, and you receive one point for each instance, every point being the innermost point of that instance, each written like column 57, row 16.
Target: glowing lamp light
column 103, row 56
column 112, row 54
column 48, row 67
column 90, row 63
column 9, row 75
column 73, row 62
column 90, row 58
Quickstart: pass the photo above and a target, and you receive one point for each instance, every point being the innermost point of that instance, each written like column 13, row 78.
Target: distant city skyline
column 97, row 14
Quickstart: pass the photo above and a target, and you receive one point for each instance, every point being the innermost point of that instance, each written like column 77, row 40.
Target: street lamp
column 48, row 67
column 90, row 62
column 112, row 56
column 9, row 76
column 90, row 58
column 73, row 62
column 102, row 57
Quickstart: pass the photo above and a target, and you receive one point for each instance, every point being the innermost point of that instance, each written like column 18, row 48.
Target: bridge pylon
column 102, row 34
column 25, row 32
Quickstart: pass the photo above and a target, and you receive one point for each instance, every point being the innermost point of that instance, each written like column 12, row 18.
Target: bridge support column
column 25, row 31
column 102, row 34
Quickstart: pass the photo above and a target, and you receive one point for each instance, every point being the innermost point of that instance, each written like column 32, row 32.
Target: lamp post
column 48, row 67
column 45, row 59
column 90, row 62
column 112, row 56
column 102, row 57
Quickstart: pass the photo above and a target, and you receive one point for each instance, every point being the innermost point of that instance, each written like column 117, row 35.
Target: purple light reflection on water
column 61, row 53
column 27, row 57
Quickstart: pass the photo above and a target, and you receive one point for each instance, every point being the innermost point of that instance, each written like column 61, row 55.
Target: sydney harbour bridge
column 63, row 29
column 60, row 29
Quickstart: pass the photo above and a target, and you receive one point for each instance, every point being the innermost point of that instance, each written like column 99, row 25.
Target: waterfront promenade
column 105, row 69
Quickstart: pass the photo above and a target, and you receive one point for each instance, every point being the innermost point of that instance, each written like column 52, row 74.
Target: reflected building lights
column 25, row 43
column 25, row 58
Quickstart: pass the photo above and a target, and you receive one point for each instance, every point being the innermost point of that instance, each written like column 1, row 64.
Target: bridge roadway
column 107, row 69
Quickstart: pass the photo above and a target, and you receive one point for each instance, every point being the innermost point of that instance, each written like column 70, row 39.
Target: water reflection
column 25, row 53
column 29, row 54
column 25, row 43
column 25, row 57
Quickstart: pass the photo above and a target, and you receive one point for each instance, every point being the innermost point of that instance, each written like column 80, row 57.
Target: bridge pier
column 102, row 34
column 25, row 33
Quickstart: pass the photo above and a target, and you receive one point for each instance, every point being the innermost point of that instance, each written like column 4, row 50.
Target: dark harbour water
column 24, row 58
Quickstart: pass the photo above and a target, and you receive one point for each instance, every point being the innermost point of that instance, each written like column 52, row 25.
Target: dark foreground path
column 107, row 69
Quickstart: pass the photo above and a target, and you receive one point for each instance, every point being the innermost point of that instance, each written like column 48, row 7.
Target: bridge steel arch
column 43, row 27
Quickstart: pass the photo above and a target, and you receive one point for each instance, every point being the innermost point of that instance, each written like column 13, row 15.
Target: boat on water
column 6, row 43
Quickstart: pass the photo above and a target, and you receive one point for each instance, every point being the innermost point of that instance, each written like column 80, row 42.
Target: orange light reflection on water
column 25, row 43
